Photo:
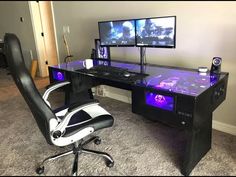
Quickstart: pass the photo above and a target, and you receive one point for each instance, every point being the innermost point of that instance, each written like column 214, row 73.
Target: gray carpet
column 139, row 147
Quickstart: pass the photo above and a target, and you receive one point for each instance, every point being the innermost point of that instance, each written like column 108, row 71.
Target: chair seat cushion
column 79, row 117
column 83, row 120
column 75, row 105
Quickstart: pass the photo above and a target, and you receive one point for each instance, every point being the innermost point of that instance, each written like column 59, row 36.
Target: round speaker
column 216, row 65
column 216, row 61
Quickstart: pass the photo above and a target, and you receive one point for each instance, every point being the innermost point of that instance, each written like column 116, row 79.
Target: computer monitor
column 156, row 32
column 117, row 33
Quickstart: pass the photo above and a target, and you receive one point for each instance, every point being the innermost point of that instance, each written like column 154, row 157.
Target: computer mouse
column 126, row 74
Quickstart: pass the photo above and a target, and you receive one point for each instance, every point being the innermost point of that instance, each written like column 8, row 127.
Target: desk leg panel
column 197, row 145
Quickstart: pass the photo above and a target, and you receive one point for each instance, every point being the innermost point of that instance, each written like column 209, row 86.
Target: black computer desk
column 179, row 97
column 3, row 60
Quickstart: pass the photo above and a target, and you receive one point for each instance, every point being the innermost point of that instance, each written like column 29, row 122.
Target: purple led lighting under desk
column 171, row 79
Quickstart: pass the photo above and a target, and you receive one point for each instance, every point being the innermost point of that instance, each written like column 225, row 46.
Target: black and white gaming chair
column 69, row 126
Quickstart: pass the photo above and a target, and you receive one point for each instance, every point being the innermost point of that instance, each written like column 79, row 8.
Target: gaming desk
column 178, row 97
column 3, row 61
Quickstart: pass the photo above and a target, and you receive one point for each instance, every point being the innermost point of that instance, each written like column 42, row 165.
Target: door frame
column 39, row 39
column 55, row 30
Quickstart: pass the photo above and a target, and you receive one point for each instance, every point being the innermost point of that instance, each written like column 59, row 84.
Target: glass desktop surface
column 172, row 79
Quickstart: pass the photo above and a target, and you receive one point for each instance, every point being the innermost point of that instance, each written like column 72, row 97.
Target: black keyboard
column 113, row 72
column 109, row 69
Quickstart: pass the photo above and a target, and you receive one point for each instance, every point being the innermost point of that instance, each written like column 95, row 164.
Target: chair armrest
column 53, row 87
column 65, row 121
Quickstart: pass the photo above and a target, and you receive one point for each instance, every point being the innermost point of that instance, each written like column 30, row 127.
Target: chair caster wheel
column 97, row 141
column 109, row 164
column 40, row 170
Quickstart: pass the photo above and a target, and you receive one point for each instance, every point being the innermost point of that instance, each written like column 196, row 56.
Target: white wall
column 204, row 30
column 10, row 13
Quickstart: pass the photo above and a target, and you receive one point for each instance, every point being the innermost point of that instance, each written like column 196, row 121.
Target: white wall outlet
column 100, row 91
column 31, row 55
column 22, row 19
column 66, row 29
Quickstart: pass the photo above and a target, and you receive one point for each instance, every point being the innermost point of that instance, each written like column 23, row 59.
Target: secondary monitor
column 117, row 33
column 156, row 32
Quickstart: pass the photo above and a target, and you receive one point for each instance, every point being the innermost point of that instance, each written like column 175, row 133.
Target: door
column 44, row 33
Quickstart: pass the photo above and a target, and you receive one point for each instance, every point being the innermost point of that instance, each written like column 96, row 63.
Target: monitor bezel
column 156, row 46
column 119, row 45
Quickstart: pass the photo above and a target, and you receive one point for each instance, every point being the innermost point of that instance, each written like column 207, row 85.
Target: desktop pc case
column 182, row 108
column 192, row 114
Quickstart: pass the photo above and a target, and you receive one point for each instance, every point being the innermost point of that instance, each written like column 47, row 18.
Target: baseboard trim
column 119, row 97
column 226, row 128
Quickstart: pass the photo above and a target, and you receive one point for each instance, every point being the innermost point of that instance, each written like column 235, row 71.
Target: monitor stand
column 142, row 59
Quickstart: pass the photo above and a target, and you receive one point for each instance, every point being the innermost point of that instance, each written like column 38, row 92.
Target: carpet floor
column 139, row 146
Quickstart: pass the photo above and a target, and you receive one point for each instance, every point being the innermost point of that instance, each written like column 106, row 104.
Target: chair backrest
column 40, row 110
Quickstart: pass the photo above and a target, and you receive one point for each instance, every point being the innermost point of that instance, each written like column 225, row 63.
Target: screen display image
column 160, row 101
column 117, row 33
column 58, row 75
column 156, row 32
column 101, row 52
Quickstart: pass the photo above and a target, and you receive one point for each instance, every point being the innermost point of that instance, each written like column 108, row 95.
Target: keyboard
column 109, row 69
column 116, row 73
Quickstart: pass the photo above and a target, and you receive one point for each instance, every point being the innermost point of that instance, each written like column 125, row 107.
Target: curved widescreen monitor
column 117, row 33
column 156, row 32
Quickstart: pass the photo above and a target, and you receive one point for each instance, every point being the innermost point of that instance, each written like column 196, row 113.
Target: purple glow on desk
column 171, row 79
column 160, row 101
column 214, row 78
column 168, row 83
column 180, row 81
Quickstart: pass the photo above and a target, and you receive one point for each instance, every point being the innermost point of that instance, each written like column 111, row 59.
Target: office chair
column 73, row 125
